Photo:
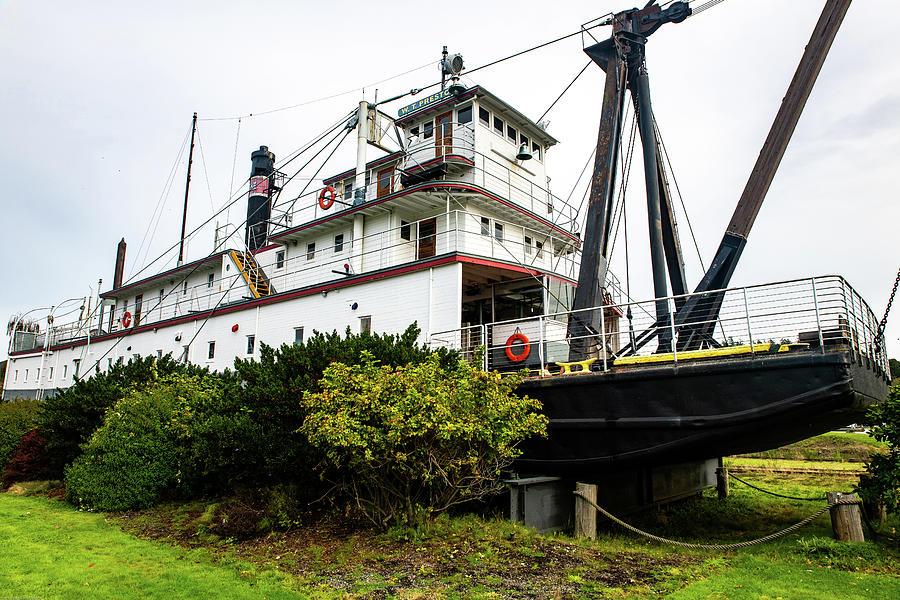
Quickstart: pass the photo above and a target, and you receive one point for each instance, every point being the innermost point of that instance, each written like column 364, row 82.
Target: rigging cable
column 205, row 172
column 167, row 188
column 539, row 119
column 237, row 138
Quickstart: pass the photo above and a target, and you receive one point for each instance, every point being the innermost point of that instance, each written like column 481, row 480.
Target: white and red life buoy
column 126, row 319
column 326, row 197
column 518, row 338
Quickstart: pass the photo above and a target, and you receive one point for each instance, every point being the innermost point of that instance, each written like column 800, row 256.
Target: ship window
column 298, row 335
column 498, row 125
column 251, row 343
column 524, row 140
column 212, row 351
column 536, row 150
column 65, row 371
column 428, row 129
column 348, row 190
column 365, row 324
column 77, row 363
column 108, row 364
column 183, row 289
column 539, row 248
column 405, row 231
column 159, row 354
column 26, row 376
column 17, row 375
column 485, row 226
column 310, row 251
column 485, row 115
column 279, row 259
column 498, row 231
column 527, row 245
column 413, row 133
column 464, row 115
column 138, row 303
column 339, row 243
column 38, row 375
column 512, row 133
column 50, row 374
column 209, row 280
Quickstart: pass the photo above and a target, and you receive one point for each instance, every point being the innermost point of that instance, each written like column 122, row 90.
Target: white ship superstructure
column 457, row 228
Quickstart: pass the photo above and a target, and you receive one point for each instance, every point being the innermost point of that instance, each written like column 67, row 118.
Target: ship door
column 443, row 144
column 385, row 181
column 426, row 242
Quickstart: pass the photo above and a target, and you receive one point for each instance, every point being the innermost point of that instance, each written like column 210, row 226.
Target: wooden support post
column 845, row 520
column 585, row 514
column 722, row 480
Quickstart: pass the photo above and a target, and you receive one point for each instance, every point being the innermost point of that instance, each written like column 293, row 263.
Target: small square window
column 65, row 371
column 527, row 245
column 512, row 133
column 498, row 231
column 279, row 259
column 539, row 249
column 310, row 251
column 427, row 129
column 498, row 125
column 536, row 150
column 365, row 324
column 484, row 115
column 339, row 243
column 251, row 344
column 159, row 354
column 50, row 374
column 464, row 115
column 209, row 280
column 524, row 140
column 405, row 231
column 485, row 226
column 212, row 351
column 298, row 335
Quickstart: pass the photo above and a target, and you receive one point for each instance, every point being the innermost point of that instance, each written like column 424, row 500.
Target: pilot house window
column 464, row 115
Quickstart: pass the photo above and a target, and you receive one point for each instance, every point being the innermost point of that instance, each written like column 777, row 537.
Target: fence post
column 585, row 514
column 845, row 521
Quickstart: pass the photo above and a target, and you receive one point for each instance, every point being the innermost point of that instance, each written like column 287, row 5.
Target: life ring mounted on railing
column 326, row 197
column 518, row 338
column 126, row 319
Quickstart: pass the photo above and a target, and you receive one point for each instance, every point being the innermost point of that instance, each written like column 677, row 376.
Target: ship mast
column 187, row 187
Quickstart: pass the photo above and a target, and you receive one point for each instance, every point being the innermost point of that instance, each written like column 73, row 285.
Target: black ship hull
column 679, row 412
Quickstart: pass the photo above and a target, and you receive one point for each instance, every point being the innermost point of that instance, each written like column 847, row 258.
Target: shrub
column 138, row 455
column 412, row 441
column 882, row 485
column 17, row 417
column 70, row 417
column 29, row 461
column 268, row 407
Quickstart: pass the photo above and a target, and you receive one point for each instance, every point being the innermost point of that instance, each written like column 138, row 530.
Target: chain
column 879, row 336
column 767, row 538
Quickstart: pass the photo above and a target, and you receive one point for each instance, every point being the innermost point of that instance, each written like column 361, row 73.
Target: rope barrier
column 745, row 544
column 748, row 484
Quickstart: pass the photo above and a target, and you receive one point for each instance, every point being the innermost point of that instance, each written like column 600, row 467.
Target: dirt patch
column 348, row 556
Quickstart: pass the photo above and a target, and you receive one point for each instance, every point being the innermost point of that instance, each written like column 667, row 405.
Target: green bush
column 267, row 406
column 882, row 485
column 69, row 418
column 412, row 441
column 139, row 453
column 17, row 417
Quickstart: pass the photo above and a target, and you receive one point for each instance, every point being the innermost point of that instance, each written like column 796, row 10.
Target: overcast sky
column 96, row 101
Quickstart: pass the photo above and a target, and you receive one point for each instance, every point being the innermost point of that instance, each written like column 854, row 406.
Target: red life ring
column 126, row 319
column 324, row 202
column 517, row 337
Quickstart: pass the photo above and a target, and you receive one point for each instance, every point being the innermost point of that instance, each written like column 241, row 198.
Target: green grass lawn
column 50, row 550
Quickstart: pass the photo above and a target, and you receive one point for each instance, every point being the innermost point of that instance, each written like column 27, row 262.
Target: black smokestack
column 259, row 204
